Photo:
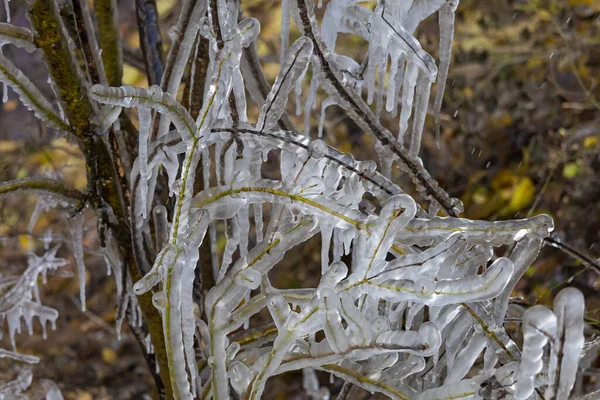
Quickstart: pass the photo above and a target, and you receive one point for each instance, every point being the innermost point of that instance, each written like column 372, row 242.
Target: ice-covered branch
column 45, row 187
column 17, row 36
column 363, row 116
column 30, row 96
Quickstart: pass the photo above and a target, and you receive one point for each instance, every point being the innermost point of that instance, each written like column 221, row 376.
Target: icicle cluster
column 406, row 302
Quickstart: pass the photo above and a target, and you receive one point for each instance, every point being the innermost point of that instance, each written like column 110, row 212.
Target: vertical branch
column 252, row 71
column 88, row 43
column 153, row 321
column 216, row 26
column 107, row 16
column 101, row 171
column 49, row 37
column 173, row 56
column 150, row 39
column 194, row 89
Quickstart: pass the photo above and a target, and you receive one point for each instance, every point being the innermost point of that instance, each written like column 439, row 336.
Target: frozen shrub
column 407, row 300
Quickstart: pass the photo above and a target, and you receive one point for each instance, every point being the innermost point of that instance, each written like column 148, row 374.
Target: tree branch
column 107, row 15
column 150, row 39
column 46, row 187
column 364, row 117
column 49, row 36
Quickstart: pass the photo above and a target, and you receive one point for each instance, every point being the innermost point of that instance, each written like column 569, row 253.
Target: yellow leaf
column 501, row 120
column 571, row 170
column 164, row 6
column 131, row 76
column 83, row 396
column 10, row 105
column 590, row 142
column 26, row 242
column 580, row 2
column 7, row 146
column 108, row 355
column 522, row 195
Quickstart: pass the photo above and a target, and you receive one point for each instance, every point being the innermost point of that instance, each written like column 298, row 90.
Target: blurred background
column 520, row 136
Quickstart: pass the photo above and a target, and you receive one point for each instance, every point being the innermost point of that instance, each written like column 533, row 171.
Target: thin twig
column 566, row 248
column 344, row 391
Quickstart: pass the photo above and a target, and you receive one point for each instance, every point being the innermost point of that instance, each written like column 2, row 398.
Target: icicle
column 293, row 68
column 258, row 221
column 324, row 104
column 338, row 245
column 381, row 73
column 37, row 211
column 145, row 120
column 233, row 240
column 7, row 10
column 52, row 391
column 285, row 29
column 310, row 103
column 446, row 17
column 539, row 324
column 326, row 232
column 243, row 221
column 466, row 359
column 408, row 92
column 76, row 225
column 422, row 100
column 398, row 84
column 390, row 98
column 310, row 383
column 4, row 87
column 566, row 348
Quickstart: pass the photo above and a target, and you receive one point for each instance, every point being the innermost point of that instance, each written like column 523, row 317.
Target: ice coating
column 406, row 301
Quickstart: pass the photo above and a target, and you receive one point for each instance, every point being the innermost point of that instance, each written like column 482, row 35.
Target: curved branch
column 349, row 375
column 43, row 186
column 386, row 186
column 30, row 95
column 17, row 36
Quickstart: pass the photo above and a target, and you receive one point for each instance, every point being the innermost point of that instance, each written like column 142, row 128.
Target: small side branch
column 46, row 187
column 588, row 261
